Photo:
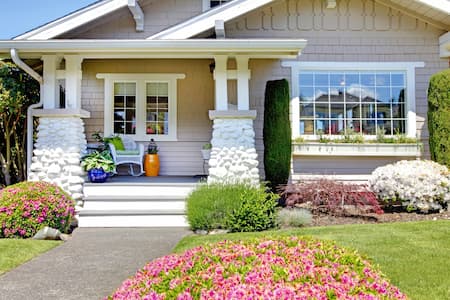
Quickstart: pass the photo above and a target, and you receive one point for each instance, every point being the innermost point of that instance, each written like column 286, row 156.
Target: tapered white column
column 49, row 89
column 221, row 82
column 73, row 81
column 243, row 76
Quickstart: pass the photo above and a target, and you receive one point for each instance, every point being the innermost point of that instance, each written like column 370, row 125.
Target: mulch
column 387, row 217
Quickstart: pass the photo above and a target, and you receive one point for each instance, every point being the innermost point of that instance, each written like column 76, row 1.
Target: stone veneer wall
column 57, row 153
column 233, row 155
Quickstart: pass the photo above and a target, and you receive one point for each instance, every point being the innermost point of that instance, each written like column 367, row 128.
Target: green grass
column 14, row 252
column 415, row 256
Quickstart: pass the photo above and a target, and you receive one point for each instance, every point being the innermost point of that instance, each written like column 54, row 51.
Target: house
column 186, row 72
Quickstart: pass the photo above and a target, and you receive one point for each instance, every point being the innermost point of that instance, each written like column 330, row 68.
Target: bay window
column 369, row 98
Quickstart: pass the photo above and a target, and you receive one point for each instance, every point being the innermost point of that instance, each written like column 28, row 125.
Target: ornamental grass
column 281, row 268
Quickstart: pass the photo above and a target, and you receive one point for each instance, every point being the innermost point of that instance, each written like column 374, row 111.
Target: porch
column 127, row 201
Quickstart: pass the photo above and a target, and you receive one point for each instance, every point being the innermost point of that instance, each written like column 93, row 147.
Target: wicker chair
column 133, row 154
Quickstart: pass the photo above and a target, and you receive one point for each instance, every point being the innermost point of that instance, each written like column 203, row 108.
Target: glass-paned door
column 157, row 108
column 125, row 108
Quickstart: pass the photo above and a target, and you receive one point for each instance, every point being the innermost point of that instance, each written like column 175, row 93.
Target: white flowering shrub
column 418, row 184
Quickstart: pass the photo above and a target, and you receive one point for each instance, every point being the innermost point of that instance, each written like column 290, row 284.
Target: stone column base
column 57, row 154
column 233, row 155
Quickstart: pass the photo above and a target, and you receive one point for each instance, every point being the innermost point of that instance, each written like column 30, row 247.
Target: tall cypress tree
column 439, row 117
column 277, row 133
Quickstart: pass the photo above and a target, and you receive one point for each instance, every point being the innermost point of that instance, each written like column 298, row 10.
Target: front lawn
column 14, row 252
column 414, row 255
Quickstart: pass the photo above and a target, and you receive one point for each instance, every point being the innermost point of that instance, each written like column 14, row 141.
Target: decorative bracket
column 138, row 14
column 220, row 29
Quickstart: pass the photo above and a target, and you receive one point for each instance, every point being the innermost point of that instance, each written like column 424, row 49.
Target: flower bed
column 283, row 268
column 26, row 207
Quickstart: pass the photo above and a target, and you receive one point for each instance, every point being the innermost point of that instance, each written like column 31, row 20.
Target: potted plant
column 99, row 165
column 151, row 163
column 206, row 151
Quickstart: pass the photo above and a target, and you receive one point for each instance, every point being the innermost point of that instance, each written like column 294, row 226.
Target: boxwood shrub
column 26, row 207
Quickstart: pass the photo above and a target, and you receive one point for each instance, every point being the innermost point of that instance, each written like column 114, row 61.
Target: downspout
column 21, row 64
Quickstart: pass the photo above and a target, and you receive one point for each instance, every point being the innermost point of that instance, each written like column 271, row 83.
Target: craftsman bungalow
column 187, row 72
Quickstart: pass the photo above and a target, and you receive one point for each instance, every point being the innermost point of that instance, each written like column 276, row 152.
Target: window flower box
column 366, row 149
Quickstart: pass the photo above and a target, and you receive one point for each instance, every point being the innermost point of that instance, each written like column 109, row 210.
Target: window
column 363, row 101
column 207, row 4
column 141, row 105
column 330, row 97
column 124, row 108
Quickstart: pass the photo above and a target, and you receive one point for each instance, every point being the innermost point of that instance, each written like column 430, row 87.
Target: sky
column 20, row 16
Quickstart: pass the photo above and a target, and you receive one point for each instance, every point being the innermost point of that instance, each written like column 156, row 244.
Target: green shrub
column 277, row 133
column 208, row 205
column 27, row 207
column 294, row 217
column 256, row 211
column 439, row 117
column 219, row 206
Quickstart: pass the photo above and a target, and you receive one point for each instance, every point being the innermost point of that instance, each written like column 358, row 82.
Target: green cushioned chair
column 131, row 154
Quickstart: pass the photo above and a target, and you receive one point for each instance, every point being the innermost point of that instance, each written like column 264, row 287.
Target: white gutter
column 195, row 47
column 21, row 64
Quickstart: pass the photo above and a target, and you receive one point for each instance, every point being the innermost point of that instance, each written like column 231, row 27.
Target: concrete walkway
column 89, row 266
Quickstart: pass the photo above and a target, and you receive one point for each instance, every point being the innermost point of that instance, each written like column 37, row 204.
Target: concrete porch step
column 114, row 205
column 131, row 191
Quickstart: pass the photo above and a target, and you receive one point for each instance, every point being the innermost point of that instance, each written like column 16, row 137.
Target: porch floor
column 159, row 180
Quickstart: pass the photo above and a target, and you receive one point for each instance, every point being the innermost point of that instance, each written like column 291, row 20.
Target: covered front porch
column 181, row 93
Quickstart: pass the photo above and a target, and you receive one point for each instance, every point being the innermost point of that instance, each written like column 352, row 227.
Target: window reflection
column 365, row 102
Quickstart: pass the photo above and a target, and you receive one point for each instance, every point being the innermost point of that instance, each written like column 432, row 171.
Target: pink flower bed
column 283, row 268
column 26, row 207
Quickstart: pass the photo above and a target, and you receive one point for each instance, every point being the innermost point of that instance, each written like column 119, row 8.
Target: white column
column 221, row 81
column 73, row 81
column 49, row 89
column 243, row 76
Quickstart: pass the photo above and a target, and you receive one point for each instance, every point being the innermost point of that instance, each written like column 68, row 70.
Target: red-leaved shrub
column 332, row 197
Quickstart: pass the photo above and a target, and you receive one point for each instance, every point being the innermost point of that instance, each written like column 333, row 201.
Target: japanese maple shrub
column 26, row 207
column 279, row 268
column 332, row 197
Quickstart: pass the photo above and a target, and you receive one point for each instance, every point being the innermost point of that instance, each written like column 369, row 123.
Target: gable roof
column 207, row 20
column 434, row 12
column 73, row 20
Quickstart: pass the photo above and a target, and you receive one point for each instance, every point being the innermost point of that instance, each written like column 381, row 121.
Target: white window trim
column 141, row 80
column 408, row 67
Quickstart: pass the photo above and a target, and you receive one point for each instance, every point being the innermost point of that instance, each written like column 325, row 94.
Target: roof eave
column 255, row 48
column 73, row 20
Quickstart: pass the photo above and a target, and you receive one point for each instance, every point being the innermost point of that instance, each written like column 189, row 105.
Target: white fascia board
column 207, row 20
column 444, row 45
column 254, row 48
column 442, row 5
column 73, row 20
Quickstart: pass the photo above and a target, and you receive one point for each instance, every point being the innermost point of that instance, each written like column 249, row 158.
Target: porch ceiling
column 193, row 48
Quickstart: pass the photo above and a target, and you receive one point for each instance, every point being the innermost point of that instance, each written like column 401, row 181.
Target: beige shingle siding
column 360, row 33
column 195, row 99
column 159, row 15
